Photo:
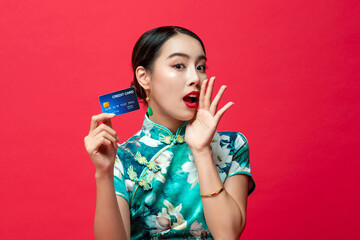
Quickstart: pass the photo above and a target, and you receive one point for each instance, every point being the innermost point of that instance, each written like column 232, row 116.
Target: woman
column 177, row 177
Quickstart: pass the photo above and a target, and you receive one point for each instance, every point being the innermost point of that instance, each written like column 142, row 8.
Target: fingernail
column 111, row 114
column 117, row 139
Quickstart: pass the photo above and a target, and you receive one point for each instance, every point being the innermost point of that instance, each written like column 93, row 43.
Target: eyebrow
column 186, row 56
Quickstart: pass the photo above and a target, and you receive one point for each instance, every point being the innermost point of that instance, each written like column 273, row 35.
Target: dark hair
column 147, row 47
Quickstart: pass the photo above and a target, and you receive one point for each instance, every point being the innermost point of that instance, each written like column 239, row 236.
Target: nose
column 194, row 77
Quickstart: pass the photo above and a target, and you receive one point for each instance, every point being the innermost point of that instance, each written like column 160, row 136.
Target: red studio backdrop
column 291, row 67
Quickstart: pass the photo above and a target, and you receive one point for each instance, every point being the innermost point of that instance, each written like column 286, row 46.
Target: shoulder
column 124, row 153
column 238, row 147
column 225, row 146
column 234, row 140
column 130, row 143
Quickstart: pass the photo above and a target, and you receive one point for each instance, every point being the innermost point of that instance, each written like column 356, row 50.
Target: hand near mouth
column 200, row 131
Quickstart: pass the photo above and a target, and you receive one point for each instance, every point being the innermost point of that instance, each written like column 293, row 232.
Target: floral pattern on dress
column 118, row 168
column 155, row 172
column 198, row 231
column 190, row 167
column 168, row 218
column 221, row 152
column 163, row 161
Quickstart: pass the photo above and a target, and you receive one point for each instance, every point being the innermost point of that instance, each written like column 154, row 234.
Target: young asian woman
column 178, row 177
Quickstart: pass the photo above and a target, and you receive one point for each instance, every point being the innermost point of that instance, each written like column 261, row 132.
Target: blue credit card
column 120, row 102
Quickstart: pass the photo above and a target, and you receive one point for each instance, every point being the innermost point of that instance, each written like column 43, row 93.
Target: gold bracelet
column 213, row 194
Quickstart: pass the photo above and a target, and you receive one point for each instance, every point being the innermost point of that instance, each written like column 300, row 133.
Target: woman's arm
column 112, row 217
column 225, row 213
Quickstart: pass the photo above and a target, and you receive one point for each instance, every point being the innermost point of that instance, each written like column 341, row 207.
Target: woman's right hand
column 101, row 143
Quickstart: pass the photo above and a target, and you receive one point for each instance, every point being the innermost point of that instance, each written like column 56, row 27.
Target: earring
column 149, row 110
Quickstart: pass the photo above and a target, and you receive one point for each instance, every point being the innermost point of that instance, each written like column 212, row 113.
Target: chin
column 187, row 116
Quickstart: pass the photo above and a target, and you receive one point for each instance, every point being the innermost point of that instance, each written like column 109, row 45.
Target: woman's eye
column 201, row 68
column 179, row 66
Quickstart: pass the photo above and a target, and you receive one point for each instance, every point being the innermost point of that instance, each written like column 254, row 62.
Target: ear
column 143, row 78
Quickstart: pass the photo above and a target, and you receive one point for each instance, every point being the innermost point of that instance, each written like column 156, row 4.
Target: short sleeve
column 241, row 160
column 119, row 180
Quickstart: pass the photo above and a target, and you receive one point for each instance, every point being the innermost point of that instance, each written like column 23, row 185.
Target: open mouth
column 191, row 99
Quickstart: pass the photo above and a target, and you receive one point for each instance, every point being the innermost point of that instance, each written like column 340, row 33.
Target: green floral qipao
column 156, row 174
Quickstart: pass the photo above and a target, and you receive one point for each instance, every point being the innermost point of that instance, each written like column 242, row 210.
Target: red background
column 292, row 69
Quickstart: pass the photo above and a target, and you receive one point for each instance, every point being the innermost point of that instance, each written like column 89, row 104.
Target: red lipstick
column 191, row 99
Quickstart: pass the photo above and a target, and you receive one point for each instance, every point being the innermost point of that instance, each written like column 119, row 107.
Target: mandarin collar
column 163, row 134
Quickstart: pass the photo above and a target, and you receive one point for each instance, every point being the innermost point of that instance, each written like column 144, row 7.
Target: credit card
column 120, row 102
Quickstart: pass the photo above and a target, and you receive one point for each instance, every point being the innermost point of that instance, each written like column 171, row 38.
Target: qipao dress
column 155, row 173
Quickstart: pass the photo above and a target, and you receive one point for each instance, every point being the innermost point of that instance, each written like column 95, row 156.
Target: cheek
column 169, row 76
column 169, row 81
column 202, row 78
column 167, row 84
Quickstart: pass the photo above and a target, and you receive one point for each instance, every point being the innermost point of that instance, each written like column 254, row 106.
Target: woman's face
column 176, row 78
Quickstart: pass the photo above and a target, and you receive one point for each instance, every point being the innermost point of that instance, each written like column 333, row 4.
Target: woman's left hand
column 200, row 131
